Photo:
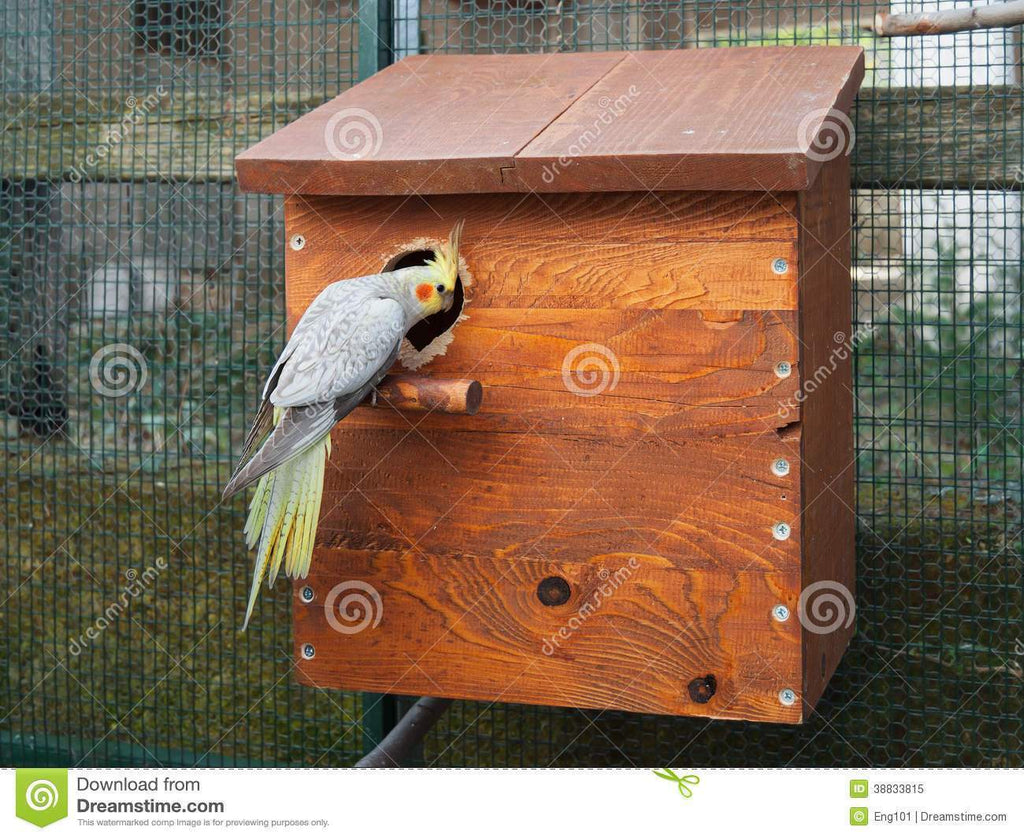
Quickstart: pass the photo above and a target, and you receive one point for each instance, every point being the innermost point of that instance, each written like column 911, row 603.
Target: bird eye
column 440, row 289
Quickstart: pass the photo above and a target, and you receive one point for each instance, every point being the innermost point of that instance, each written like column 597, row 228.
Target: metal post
column 380, row 715
column 374, row 36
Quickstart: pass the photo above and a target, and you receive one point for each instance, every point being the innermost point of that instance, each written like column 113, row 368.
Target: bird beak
column 449, row 301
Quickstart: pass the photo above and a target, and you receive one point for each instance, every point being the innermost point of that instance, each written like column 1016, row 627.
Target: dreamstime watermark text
column 605, row 590
column 136, row 112
column 841, row 352
column 138, row 584
column 611, row 109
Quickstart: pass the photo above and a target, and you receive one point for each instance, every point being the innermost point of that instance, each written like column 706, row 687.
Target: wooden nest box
column 652, row 510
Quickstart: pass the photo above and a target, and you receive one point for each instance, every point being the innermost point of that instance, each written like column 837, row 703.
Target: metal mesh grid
column 122, row 237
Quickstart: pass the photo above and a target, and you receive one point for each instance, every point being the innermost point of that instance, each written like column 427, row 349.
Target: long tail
column 283, row 516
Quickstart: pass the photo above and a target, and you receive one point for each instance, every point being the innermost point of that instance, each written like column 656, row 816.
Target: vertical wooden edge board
column 828, row 464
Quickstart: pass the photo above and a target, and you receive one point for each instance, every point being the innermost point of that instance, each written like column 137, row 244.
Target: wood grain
column 631, row 636
column 525, row 254
column 432, row 124
column 577, row 218
column 828, row 462
column 689, row 331
column 695, row 504
column 736, row 118
column 418, row 393
column 601, row 373
column 590, row 122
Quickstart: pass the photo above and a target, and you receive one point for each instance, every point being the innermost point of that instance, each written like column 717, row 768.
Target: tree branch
column 996, row 16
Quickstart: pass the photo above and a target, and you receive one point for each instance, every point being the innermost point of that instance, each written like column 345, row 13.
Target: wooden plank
column 736, row 118
column 691, row 504
column 674, row 119
column 940, row 138
column 534, row 252
column 906, row 138
column 630, row 637
column 572, row 217
column 428, row 124
column 828, row 462
column 690, row 332
column 690, row 375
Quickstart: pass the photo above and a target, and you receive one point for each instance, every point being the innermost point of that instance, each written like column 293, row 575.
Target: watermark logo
column 117, row 370
column 825, row 134
column 353, row 134
column 41, row 795
column 825, row 607
column 683, row 783
column 858, row 816
column 590, row 369
column 352, row 606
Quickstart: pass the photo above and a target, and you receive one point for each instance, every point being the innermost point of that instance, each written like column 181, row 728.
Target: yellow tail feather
column 282, row 518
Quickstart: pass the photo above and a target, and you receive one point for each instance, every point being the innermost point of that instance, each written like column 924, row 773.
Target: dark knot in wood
column 701, row 689
column 553, row 591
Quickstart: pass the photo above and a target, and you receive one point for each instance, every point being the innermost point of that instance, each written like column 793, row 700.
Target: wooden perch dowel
column 420, row 392
column 952, row 20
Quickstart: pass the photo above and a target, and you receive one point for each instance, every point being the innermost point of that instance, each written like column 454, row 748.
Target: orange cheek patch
column 424, row 292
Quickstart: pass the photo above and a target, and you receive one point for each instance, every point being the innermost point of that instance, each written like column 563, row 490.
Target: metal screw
column 780, row 265
column 298, row 242
column 787, row 697
column 308, row 651
column 781, row 531
column 780, row 467
column 780, row 612
column 307, row 594
column 783, row 369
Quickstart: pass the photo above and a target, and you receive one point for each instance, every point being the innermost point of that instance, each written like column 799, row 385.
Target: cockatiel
column 340, row 350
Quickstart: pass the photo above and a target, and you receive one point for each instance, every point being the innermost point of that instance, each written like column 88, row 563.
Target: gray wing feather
column 338, row 345
column 301, row 427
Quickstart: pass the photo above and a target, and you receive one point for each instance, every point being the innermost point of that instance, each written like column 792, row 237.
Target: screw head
column 781, row 531
column 780, row 467
column 787, row 697
column 307, row 594
column 298, row 242
column 308, row 651
column 783, row 369
column 780, row 612
column 780, row 265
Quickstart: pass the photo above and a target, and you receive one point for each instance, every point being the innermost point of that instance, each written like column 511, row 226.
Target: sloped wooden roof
column 709, row 119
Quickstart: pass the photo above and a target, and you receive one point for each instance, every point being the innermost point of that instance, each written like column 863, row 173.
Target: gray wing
column 373, row 345
column 337, row 345
column 300, row 428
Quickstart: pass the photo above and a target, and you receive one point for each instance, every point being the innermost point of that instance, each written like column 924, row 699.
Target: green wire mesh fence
column 142, row 303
